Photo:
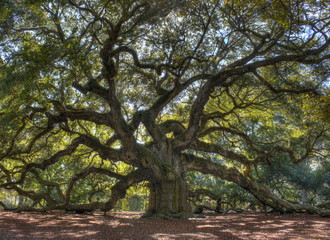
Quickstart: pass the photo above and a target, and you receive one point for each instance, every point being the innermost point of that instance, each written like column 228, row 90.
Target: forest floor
column 129, row 225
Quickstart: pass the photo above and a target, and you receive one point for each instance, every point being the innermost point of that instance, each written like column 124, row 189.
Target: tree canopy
column 99, row 96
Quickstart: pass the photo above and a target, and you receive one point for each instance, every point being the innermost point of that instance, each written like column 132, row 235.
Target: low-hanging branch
column 53, row 159
column 260, row 192
column 83, row 174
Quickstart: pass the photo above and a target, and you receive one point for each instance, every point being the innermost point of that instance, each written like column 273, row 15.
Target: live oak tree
column 159, row 88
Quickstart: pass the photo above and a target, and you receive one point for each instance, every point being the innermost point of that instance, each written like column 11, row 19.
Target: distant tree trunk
column 3, row 205
column 304, row 196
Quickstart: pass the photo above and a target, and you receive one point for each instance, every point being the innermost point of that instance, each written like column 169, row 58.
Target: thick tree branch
column 84, row 174
column 137, row 63
column 282, row 90
column 105, row 152
column 118, row 191
column 244, row 136
column 213, row 148
column 92, row 86
column 303, row 58
column 263, row 194
column 263, row 157
column 83, row 114
column 53, row 159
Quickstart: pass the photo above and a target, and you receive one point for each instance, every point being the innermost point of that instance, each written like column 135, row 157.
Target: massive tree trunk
column 168, row 197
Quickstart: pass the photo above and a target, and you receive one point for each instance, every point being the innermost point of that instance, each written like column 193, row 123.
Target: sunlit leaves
column 317, row 108
column 287, row 13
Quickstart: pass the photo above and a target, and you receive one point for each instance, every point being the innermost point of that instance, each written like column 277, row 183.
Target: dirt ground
column 128, row 225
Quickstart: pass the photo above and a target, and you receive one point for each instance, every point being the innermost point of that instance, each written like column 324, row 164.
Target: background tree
column 98, row 96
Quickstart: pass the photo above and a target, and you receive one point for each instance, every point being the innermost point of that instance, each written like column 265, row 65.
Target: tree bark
column 168, row 198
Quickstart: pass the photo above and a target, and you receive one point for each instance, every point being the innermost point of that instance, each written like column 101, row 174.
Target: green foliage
column 88, row 85
column 290, row 179
column 317, row 108
column 226, row 191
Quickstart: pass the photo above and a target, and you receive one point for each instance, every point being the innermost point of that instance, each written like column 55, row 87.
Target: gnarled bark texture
column 168, row 198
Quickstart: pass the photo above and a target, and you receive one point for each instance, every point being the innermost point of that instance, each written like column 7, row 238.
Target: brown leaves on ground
column 128, row 225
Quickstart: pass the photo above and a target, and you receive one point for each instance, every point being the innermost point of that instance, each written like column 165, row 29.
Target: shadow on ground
column 128, row 225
